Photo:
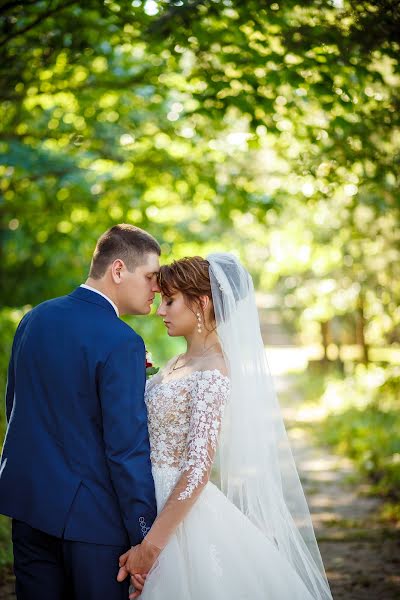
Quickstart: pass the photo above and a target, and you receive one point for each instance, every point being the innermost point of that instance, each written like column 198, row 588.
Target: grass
column 6, row 557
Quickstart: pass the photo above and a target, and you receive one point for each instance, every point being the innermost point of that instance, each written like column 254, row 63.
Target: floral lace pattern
column 184, row 421
column 165, row 479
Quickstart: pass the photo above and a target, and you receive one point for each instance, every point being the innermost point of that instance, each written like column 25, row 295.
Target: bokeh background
column 270, row 129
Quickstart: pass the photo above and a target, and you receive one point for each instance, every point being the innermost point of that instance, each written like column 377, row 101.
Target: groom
column 75, row 472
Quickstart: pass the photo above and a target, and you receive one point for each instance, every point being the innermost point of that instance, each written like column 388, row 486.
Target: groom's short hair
column 123, row 241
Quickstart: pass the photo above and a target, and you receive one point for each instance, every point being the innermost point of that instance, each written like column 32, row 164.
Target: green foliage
column 363, row 422
column 370, row 437
column 183, row 117
column 6, row 556
column 339, row 260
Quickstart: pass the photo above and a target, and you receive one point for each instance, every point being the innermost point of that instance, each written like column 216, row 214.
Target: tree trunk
column 361, row 323
column 326, row 337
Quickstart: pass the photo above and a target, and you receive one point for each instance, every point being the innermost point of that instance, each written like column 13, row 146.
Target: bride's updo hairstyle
column 189, row 276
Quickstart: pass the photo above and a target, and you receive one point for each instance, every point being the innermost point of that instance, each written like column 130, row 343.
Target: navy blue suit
column 76, row 459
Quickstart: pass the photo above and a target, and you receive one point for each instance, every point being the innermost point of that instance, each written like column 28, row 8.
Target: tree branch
column 11, row 5
column 160, row 24
column 41, row 18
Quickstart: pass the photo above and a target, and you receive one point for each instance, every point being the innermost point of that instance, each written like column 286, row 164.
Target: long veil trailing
column 257, row 470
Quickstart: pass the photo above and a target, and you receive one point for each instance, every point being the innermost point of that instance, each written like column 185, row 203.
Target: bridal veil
column 255, row 463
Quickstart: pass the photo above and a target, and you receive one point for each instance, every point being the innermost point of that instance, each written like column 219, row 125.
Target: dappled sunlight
column 312, row 413
column 287, row 359
column 324, row 464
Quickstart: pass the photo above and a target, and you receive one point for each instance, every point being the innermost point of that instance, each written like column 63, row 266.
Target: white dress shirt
column 88, row 287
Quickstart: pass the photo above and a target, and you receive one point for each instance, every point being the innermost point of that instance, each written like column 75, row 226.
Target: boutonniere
column 150, row 368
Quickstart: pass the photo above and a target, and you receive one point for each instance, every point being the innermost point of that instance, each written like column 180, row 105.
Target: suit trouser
column 50, row 568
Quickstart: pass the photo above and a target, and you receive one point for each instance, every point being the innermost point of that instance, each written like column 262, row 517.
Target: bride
column 213, row 414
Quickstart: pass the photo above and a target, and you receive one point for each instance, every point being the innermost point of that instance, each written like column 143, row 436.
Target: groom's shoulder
column 52, row 302
column 126, row 332
column 43, row 306
column 39, row 312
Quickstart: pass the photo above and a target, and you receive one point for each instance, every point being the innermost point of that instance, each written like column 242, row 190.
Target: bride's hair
column 190, row 276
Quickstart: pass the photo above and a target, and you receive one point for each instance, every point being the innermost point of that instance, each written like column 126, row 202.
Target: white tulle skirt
column 218, row 554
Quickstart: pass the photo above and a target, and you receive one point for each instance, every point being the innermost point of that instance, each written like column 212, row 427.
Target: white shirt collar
column 87, row 287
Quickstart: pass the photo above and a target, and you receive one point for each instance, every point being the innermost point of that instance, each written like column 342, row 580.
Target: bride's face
column 179, row 319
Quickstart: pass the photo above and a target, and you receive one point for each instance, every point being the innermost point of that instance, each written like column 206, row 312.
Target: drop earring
column 199, row 328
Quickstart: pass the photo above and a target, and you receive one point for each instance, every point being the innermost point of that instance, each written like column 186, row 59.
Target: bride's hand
column 138, row 582
column 139, row 559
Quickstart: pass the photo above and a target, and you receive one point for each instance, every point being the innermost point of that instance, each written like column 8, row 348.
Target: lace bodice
column 184, row 421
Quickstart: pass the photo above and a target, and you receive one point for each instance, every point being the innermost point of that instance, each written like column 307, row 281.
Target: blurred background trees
column 268, row 129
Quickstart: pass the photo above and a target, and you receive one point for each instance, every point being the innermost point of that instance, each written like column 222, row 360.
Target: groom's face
column 137, row 291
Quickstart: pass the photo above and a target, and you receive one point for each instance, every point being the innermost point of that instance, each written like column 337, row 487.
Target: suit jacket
column 76, row 456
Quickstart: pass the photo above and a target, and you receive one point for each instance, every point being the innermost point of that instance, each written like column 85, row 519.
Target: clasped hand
column 137, row 563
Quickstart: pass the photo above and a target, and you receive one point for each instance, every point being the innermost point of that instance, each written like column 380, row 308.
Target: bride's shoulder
column 220, row 365
column 216, row 365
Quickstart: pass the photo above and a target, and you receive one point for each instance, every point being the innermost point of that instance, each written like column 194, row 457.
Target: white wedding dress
column 215, row 552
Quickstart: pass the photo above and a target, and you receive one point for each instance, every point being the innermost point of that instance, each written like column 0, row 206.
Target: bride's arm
column 208, row 400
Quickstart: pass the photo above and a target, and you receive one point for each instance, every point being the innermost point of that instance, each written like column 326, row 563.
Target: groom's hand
column 138, row 560
column 137, row 581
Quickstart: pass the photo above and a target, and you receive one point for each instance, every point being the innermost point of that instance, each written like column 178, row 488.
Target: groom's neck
column 101, row 286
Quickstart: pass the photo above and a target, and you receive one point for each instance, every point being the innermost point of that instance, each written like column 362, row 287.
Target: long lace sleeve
column 208, row 398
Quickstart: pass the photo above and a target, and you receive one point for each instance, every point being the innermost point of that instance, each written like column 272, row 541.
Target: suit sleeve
column 126, row 437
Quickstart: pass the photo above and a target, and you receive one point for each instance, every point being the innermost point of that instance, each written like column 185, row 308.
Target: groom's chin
column 137, row 312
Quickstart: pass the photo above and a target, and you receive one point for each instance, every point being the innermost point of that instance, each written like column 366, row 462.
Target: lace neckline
column 193, row 373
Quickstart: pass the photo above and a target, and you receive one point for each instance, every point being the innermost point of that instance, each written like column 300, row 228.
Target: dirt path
column 7, row 589
column 361, row 558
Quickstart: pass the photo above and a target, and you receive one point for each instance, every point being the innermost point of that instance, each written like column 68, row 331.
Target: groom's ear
column 117, row 266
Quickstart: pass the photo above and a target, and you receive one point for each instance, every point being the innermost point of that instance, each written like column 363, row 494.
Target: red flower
column 148, row 361
column 150, row 369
